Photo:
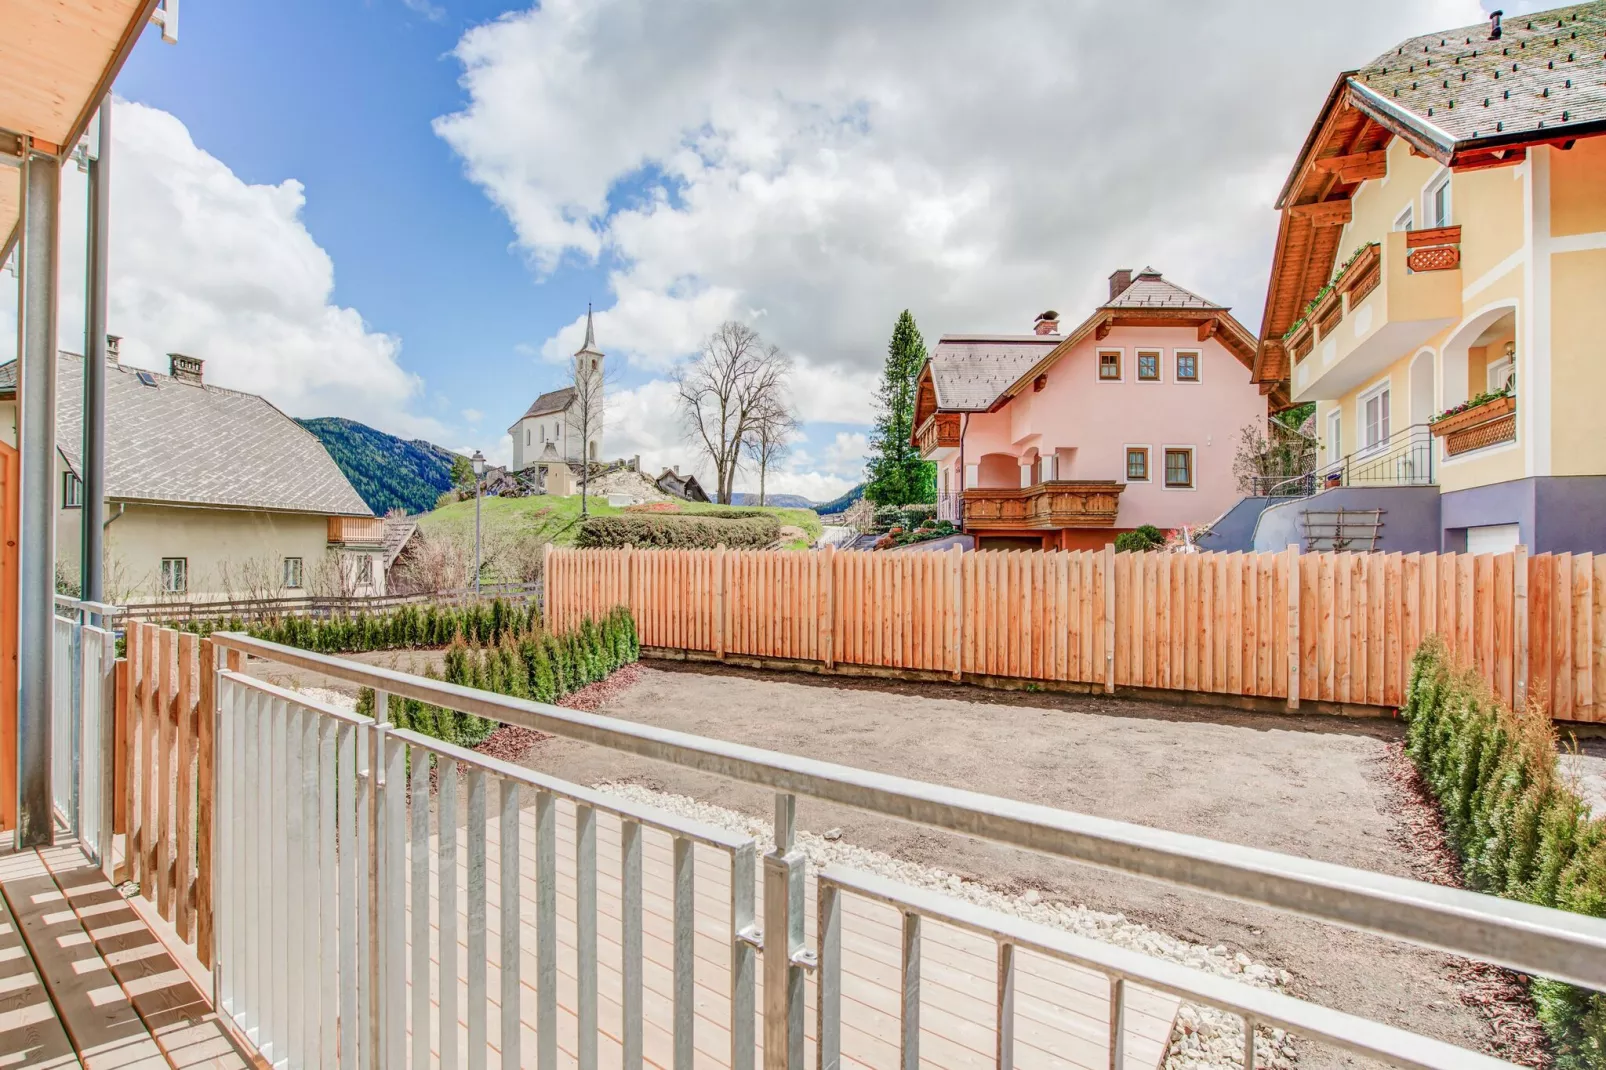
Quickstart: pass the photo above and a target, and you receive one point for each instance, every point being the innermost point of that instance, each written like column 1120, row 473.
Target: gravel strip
column 1203, row 1038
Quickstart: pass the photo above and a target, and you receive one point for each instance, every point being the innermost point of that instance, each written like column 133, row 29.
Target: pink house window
column 1137, row 464
column 1188, row 367
column 1149, row 365
column 1110, row 366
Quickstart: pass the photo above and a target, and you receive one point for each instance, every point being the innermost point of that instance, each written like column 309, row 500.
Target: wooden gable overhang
column 925, row 402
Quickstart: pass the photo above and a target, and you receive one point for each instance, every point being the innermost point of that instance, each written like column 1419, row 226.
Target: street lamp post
column 479, row 481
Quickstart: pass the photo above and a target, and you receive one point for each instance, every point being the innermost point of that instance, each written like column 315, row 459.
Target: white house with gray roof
column 210, row 492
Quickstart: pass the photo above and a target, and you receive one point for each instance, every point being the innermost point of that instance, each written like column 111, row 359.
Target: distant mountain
column 388, row 472
column 837, row 505
column 779, row 501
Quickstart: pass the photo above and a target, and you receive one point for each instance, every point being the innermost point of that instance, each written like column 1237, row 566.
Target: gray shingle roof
column 398, row 531
column 552, row 401
column 1546, row 72
column 1150, row 289
column 971, row 371
column 198, row 445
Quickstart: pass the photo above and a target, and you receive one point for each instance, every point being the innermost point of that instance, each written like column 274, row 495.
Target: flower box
column 1490, row 410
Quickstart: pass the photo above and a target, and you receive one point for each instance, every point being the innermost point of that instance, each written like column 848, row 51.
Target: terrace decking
column 84, row 982
column 1061, row 1011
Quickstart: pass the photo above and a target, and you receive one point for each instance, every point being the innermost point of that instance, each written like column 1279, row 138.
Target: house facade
column 1064, row 441
column 564, row 426
column 210, row 493
column 1437, row 290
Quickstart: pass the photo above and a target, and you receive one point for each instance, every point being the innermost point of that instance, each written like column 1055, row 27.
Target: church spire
column 591, row 335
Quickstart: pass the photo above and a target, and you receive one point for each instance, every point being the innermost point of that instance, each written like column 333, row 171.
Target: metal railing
column 83, row 695
column 317, row 606
column 1404, row 459
column 290, row 766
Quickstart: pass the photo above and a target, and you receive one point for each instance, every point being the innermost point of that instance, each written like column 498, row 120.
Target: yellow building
column 210, row 493
column 1439, row 291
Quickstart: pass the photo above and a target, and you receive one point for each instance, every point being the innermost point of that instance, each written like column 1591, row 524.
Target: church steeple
column 591, row 336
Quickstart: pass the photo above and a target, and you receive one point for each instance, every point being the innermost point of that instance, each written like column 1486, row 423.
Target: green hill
column 388, row 472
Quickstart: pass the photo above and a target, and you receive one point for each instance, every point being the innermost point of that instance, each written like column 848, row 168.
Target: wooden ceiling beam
column 1208, row 328
column 1357, row 166
column 1324, row 213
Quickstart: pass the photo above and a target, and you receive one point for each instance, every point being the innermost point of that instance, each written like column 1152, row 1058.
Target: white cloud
column 473, row 416
column 815, row 168
column 206, row 264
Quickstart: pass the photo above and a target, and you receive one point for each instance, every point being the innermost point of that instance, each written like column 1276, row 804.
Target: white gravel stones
column 1203, row 1038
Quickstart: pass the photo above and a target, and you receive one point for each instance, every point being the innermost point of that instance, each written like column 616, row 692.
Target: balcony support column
column 36, row 435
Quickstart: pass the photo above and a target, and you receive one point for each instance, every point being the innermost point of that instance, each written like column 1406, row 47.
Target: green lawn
column 559, row 518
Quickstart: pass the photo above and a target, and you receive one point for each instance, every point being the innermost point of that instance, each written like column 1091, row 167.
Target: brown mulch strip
column 511, row 743
column 1499, row 995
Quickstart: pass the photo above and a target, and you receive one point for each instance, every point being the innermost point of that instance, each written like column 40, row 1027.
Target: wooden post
column 1519, row 629
column 1109, row 619
column 827, row 566
column 546, row 589
column 719, row 601
column 205, row 775
column 183, row 814
column 957, row 632
column 1291, row 562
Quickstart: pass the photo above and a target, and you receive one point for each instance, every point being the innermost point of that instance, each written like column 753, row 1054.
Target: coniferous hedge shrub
column 1520, row 830
column 533, row 664
column 403, row 628
column 671, row 531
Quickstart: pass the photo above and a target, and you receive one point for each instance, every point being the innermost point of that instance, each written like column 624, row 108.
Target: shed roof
column 184, row 443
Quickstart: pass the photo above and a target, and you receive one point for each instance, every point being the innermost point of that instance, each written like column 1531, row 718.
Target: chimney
column 1494, row 25
column 1047, row 323
column 185, row 369
column 1119, row 281
column 114, row 343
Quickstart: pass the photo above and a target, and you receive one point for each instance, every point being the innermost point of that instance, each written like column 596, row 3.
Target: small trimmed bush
column 679, row 532
column 1520, row 830
column 1138, row 540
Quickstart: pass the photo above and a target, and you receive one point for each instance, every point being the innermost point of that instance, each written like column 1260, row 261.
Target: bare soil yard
column 1319, row 787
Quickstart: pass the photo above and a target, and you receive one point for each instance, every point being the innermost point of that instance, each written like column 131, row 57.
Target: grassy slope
column 560, row 517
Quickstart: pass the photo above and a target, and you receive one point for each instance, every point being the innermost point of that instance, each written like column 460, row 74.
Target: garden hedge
column 1520, row 830
column 533, row 664
column 404, row 628
column 669, row 531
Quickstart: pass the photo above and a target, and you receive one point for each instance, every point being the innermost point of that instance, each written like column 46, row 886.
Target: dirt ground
column 1312, row 786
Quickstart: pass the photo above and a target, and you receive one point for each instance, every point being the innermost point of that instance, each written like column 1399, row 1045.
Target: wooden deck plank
column 93, row 1009
column 30, row 1032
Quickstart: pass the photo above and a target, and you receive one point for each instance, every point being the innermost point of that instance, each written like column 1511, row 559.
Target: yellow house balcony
column 938, row 437
column 1047, row 506
column 1395, row 295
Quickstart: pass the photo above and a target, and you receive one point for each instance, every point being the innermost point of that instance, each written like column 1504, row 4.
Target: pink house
column 1063, row 441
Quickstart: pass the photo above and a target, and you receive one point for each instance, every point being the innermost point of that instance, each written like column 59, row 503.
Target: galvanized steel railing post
column 784, row 954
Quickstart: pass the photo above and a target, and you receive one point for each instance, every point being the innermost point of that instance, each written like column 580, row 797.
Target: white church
column 553, row 429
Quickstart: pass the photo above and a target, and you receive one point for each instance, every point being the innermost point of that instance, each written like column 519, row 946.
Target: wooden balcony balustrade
column 1051, row 504
column 1438, row 249
column 1488, row 424
column 356, row 531
column 940, row 431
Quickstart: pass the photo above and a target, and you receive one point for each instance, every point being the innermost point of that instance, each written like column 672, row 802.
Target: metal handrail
column 1532, row 939
column 1406, row 443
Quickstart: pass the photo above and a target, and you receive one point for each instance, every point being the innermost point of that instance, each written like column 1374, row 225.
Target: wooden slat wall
column 165, row 715
column 1343, row 626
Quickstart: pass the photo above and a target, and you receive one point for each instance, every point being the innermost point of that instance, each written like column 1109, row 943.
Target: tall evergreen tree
column 896, row 475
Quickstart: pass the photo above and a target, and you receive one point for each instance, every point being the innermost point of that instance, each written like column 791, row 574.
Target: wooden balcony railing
column 1488, row 424
column 1438, row 249
column 939, row 431
column 356, row 531
column 1052, row 504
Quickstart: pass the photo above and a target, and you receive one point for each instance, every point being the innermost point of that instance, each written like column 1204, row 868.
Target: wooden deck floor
column 84, row 982
column 1062, row 1011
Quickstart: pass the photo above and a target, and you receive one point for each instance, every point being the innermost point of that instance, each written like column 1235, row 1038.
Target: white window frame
column 365, row 570
column 1440, row 181
column 1407, row 217
column 1505, row 366
column 1335, row 433
column 1148, row 462
column 1120, row 363
column 72, row 490
column 1363, row 425
column 1137, row 364
column 1198, row 365
column 294, row 573
column 1193, row 465
column 175, row 575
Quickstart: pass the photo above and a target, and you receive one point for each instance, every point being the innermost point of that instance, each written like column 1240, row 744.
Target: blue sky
column 397, row 210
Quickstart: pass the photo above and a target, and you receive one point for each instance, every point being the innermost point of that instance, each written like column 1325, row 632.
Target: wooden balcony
column 1489, row 424
column 938, row 437
column 356, row 531
column 1052, row 504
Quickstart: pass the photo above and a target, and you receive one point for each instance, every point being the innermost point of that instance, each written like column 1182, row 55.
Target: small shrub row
column 403, row 628
column 533, row 665
column 679, row 532
column 1520, row 830
column 907, row 517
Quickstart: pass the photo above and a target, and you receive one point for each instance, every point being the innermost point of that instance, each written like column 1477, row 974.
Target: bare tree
column 588, row 412
column 770, row 440
column 723, row 391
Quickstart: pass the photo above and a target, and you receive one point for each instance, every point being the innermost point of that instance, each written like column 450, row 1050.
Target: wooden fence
column 1317, row 627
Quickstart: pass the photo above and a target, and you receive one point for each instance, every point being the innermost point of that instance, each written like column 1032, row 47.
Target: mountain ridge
column 388, row 472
